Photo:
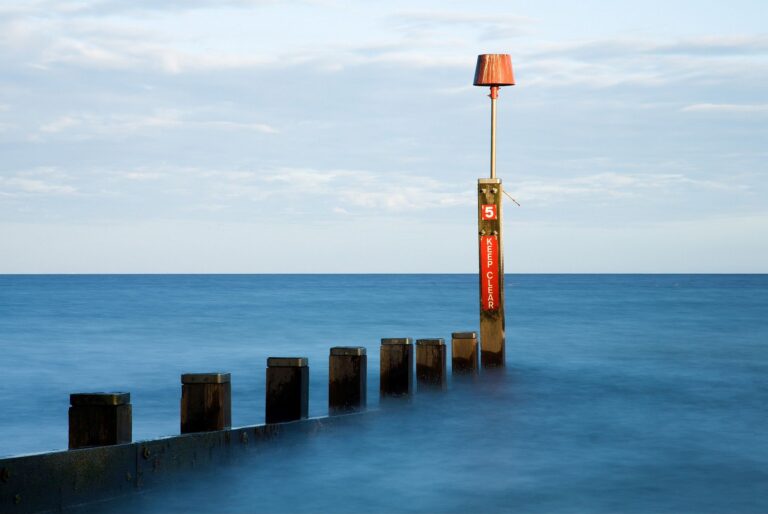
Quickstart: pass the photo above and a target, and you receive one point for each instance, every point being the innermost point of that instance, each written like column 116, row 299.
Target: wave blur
column 622, row 393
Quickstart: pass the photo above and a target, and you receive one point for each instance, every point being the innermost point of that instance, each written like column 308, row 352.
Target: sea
column 621, row 393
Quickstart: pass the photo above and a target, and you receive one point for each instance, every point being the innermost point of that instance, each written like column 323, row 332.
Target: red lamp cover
column 494, row 70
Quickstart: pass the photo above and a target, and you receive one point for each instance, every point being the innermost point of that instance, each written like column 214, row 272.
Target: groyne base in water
column 52, row 482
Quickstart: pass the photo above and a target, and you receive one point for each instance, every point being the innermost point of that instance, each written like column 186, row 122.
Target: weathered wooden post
column 287, row 389
column 206, row 402
column 464, row 353
column 347, row 379
column 99, row 419
column 430, row 363
column 396, row 366
column 494, row 70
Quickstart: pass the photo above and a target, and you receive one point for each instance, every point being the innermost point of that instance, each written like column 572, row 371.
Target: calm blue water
column 623, row 393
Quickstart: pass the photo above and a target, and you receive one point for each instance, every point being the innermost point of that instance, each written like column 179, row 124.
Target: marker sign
column 488, row 212
column 489, row 272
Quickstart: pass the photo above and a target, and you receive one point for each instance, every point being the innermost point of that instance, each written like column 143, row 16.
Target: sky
column 237, row 136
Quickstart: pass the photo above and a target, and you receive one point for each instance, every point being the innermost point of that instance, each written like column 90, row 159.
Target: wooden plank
column 206, row 402
column 464, row 353
column 491, row 276
column 396, row 367
column 51, row 482
column 347, row 379
column 431, row 364
column 99, row 419
column 287, row 391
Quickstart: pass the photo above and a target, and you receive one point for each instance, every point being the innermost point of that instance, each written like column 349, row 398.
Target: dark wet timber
column 99, row 419
column 396, row 366
column 431, row 364
column 50, row 482
column 464, row 354
column 206, row 402
column 287, row 389
column 347, row 379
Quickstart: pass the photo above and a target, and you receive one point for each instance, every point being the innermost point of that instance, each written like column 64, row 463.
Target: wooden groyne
column 103, row 462
column 52, row 482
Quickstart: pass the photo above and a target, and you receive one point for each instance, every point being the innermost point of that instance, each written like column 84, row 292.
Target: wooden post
column 287, row 389
column 489, row 191
column 430, row 363
column 464, row 353
column 347, row 379
column 396, row 366
column 206, row 402
column 99, row 419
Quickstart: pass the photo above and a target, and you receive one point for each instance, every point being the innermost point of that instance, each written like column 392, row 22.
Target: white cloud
column 105, row 52
column 391, row 191
column 613, row 185
column 488, row 26
column 307, row 178
column 645, row 62
column 727, row 108
column 141, row 175
column 233, row 125
column 86, row 126
column 110, row 8
column 355, row 190
column 346, row 192
column 16, row 185
column 622, row 48
column 571, row 72
column 60, row 124
column 408, row 198
column 461, row 18
column 432, row 39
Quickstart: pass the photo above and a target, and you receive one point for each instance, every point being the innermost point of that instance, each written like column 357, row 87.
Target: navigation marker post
column 494, row 71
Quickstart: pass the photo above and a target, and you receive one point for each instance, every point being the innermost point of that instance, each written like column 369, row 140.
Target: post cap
column 489, row 181
column 396, row 340
column 205, row 378
column 348, row 350
column 494, row 70
column 287, row 362
column 99, row 398
column 431, row 342
column 464, row 335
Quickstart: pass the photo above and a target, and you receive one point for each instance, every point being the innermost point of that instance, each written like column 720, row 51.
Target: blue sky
column 331, row 136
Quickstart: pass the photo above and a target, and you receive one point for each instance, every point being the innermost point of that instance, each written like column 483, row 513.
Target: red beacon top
column 494, row 70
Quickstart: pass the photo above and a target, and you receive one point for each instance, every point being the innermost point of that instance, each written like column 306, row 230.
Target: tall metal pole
column 491, row 258
column 494, row 95
column 493, row 70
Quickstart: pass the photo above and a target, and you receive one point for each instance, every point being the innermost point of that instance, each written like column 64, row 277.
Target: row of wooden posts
column 100, row 419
